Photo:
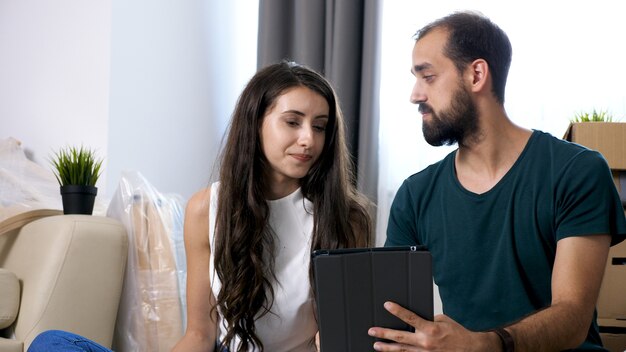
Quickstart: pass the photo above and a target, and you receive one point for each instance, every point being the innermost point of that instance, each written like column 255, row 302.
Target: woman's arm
column 201, row 317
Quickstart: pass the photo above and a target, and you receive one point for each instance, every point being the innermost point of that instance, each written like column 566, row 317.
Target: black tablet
column 351, row 286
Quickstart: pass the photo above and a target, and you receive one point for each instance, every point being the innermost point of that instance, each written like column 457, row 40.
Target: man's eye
column 428, row 78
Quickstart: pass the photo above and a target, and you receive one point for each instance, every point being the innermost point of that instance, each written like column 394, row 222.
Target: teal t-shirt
column 493, row 253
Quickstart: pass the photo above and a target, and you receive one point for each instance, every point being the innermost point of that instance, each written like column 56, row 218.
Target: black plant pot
column 78, row 199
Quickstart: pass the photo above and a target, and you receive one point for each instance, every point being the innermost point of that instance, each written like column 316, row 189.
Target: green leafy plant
column 76, row 166
column 595, row 116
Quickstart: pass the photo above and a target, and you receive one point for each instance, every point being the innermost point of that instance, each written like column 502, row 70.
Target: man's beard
column 453, row 125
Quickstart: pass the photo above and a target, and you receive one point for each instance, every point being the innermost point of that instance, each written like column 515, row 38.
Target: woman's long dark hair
column 244, row 243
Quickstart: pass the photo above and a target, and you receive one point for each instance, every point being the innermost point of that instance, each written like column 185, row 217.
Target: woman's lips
column 302, row 157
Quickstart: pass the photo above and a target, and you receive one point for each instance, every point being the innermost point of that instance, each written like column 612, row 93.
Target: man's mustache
column 425, row 108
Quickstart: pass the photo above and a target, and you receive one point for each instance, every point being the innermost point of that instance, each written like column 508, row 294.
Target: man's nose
column 417, row 94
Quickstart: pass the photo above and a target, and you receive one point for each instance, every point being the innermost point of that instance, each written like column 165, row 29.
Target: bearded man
column 519, row 223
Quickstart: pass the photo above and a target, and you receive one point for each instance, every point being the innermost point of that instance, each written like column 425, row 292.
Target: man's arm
column 576, row 278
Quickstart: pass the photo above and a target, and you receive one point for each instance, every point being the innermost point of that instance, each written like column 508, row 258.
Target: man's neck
column 483, row 160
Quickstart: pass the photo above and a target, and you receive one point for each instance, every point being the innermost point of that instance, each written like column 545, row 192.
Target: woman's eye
column 292, row 123
column 320, row 128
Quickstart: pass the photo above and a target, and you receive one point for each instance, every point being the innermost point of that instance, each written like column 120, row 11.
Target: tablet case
column 353, row 284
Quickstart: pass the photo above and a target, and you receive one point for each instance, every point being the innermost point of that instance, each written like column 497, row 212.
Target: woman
column 286, row 188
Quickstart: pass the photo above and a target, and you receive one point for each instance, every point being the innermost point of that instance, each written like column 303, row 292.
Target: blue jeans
column 57, row 340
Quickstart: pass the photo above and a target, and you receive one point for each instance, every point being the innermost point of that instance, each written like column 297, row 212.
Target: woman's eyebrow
column 296, row 112
column 300, row 113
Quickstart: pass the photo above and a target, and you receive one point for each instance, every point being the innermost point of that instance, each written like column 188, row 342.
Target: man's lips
column 425, row 110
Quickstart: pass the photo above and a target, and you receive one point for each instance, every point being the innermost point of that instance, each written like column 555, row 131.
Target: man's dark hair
column 473, row 36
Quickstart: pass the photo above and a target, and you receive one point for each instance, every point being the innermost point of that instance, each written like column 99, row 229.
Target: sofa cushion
column 9, row 297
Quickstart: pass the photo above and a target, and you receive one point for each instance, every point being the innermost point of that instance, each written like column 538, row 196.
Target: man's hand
column 444, row 334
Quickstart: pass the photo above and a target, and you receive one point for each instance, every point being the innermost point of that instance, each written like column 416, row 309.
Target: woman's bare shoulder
column 198, row 203
column 196, row 226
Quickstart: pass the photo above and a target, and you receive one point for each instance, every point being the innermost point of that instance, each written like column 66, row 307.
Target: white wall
column 173, row 86
column 150, row 84
column 54, row 74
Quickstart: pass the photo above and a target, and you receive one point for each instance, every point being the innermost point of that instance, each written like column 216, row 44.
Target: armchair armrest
column 71, row 269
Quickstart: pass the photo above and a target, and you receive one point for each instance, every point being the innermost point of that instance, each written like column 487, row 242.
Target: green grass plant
column 76, row 166
column 595, row 116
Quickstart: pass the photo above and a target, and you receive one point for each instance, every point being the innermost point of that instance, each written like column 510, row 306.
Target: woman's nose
column 306, row 136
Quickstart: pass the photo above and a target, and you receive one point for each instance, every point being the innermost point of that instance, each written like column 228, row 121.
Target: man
column 519, row 223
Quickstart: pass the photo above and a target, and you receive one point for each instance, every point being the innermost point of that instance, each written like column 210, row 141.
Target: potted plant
column 595, row 116
column 77, row 170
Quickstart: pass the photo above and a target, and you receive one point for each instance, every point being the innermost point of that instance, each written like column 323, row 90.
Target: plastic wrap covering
column 24, row 185
column 27, row 189
column 151, row 314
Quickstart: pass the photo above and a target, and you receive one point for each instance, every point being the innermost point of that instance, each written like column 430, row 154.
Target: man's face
column 449, row 114
column 451, row 124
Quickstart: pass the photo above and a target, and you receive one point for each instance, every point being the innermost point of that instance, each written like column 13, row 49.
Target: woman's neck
column 277, row 190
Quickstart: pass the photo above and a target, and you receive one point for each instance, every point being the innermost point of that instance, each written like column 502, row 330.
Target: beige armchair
column 70, row 270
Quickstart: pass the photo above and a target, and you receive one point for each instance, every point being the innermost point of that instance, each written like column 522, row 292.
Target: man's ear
column 480, row 75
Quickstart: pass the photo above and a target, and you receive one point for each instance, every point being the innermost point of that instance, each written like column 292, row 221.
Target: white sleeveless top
column 290, row 325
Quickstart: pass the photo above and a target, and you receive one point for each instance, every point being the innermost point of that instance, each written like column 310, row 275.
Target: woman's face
column 292, row 138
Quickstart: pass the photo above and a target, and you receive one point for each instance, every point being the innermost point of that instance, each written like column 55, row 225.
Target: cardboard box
column 611, row 303
column 609, row 138
column 614, row 342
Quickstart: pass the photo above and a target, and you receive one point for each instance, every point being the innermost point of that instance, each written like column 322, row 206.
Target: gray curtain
column 340, row 39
